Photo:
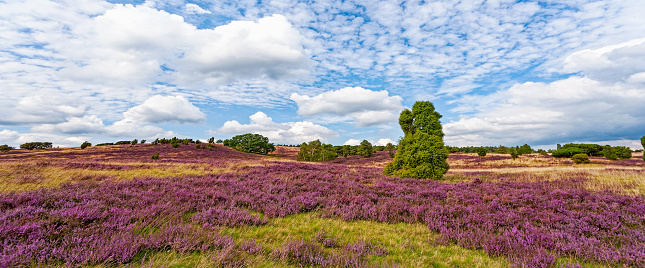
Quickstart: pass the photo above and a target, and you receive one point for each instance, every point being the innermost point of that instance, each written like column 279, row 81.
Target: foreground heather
column 531, row 223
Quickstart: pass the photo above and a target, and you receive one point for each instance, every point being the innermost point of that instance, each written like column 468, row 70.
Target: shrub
column 123, row 142
column 85, row 145
column 580, row 158
column 524, row 149
column 568, row 152
column 421, row 153
column 501, row 150
column 104, row 144
column 365, row 149
column 316, row 151
column 250, row 143
column 513, row 153
column 134, row 142
column 610, row 153
column 211, row 140
column 5, row 148
column 623, row 152
column 143, row 141
column 542, row 152
column 36, row 145
column 155, row 156
column 481, row 151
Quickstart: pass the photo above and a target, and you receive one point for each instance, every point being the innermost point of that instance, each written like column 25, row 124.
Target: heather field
column 114, row 206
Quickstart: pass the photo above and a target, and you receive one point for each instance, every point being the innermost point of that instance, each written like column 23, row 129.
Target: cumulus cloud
column 163, row 109
column 75, row 125
column 352, row 142
column 195, row 9
column 363, row 106
column 288, row 133
column 611, row 64
column 383, row 142
column 592, row 108
column 40, row 108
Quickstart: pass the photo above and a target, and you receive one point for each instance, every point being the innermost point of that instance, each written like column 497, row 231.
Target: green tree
column 250, row 143
column 513, row 153
column 643, row 143
column 580, row 159
column 36, row 145
column 610, row 153
column 316, row 151
column 390, row 149
column 421, row 153
column 501, row 150
column 5, row 148
column 134, row 142
column 347, row 150
column 623, row 152
column 525, row 149
column 85, row 145
column 365, row 149
column 211, row 140
column 481, row 151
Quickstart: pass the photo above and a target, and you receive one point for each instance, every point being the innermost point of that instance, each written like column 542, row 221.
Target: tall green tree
column 365, row 149
column 390, row 149
column 421, row 153
column 250, row 143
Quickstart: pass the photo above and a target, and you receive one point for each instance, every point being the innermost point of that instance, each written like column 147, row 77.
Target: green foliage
column 513, row 153
column 365, row 149
column 212, row 140
column 501, row 150
column 542, row 152
column 347, row 150
column 143, row 141
column 155, row 156
column 104, row 144
column 610, row 153
column 391, row 149
column 5, row 148
column 122, row 142
column 568, row 152
column 643, row 143
column 219, row 141
column 174, row 144
column 580, row 158
column 134, row 142
column 250, row 143
column 316, row 151
column 623, row 152
column 85, row 145
column 525, row 149
column 36, row 145
column 421, row 153
column 481, row 152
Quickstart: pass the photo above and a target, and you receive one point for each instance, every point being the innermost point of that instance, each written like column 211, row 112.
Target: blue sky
column 500, row 72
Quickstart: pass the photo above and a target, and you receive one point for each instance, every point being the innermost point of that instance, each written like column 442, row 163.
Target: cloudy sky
column 501, row 72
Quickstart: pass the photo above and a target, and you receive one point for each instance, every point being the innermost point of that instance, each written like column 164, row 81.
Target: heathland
column 115, row 206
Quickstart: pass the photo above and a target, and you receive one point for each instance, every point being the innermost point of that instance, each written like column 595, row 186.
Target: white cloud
column 195, row 9
column 352, row 142
column 288, row 133
column 610, row 63
column 74, row 125
column 41, row 108
column 364, row 107
column 383, row 142
column 163, row 109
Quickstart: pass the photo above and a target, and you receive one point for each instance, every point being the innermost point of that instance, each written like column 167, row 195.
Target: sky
column 500, row 72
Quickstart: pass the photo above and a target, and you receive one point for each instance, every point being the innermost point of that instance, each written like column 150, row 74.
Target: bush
column 421, row 153
column 580, row 158
column 175, row 144
column 104, row 144
column 513, row 153
column 211, row 140
column 85, row 145
column 525, row 149
column 481, row 151
column 568, row 152
column 610, row 153
column 134, row 142
column 36, row 145
column 155, row 156
column 5, row 148
column 365, row 149
column 623, row 152
column 122, row 142
column 390, row 149
column 143, row 141
column 316, row 151
column 542, row 152
column 250, row 143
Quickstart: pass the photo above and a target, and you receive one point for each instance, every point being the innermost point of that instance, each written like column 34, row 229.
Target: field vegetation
column 193, row 207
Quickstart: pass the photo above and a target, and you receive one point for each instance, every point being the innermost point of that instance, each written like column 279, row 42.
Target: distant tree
column 513, row 153
column 365, row 149
column 174, row 144
column 85, row 145
column 481, row 151
column 219, row 141
column 347, row 150
column 250, row 143
column 501, row 150
column 524, row 149
column 643, row 143
column 134, row 142
column 5, row 148
column 211, row 140
column 36, row 145
column 421, row 153
column 542, row 152
column 316, row 151
column 123, row 142
column 143, row 141
column 104, row 144
column 623, row 152
column 580, row 158
column 391, row 149
column 558, row 146
column 155, row 156
column 610, row 153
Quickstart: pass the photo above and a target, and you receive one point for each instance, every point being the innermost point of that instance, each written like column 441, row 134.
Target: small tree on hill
column 134, row 142
column 513, row 153
column 85, row 145
column 365, row 149
column 211, row 140
column 250, row 143
column 5, row 148
column 525, row 149
column 421, row 153
column 623, row 152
